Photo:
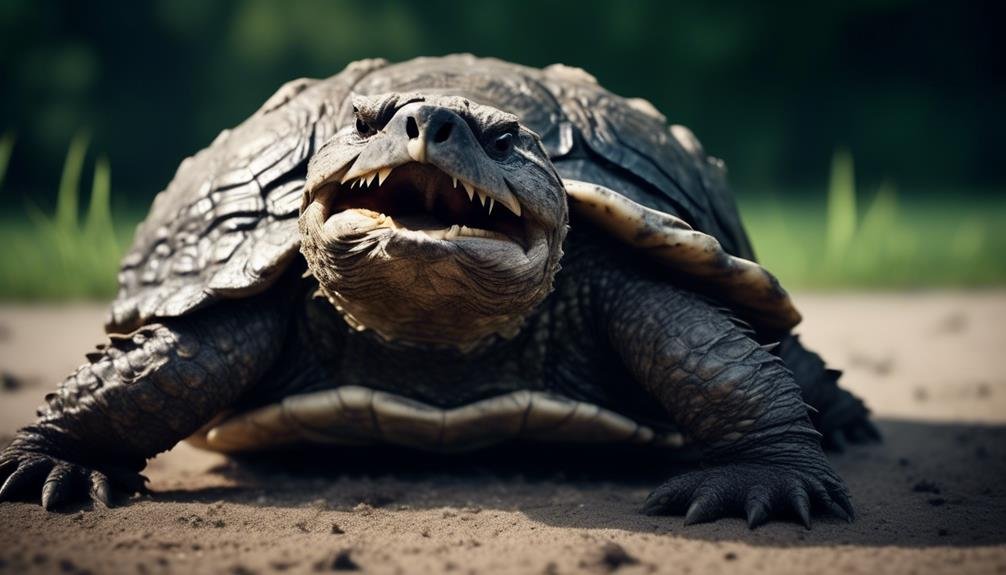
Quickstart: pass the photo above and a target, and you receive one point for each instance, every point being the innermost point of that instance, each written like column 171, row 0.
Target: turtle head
column 433, row 220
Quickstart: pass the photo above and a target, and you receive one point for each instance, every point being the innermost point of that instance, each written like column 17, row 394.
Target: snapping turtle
column 375, row 257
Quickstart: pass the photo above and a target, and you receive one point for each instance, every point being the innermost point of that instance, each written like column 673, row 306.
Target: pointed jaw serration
column 423, row 198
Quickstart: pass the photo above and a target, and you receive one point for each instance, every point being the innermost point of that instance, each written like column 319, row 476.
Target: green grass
column 6, row 148
column 813, row 239
column 59, row 257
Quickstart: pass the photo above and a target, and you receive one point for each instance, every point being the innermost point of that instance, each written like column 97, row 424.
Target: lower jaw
column 426, row 227
column 430, row 301
column 423, row 238
column 408, row 287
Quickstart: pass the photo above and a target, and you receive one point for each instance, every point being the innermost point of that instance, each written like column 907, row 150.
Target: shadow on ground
column 928, row 484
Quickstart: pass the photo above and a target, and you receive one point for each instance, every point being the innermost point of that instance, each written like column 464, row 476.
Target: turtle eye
column 503, row 143
column 363, row 128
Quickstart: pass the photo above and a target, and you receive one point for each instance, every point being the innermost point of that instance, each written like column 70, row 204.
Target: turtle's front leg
column 735, row 399
column 139, row 395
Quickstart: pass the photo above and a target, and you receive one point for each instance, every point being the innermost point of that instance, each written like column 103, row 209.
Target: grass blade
column 841, row 210
column 69, row 184
column 6, row 149
column 98, row 222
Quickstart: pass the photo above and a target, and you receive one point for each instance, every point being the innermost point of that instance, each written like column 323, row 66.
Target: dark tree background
column 915, row 90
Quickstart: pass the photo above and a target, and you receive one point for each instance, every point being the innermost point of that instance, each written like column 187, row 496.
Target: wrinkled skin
column 427, row 293
column 399, row 281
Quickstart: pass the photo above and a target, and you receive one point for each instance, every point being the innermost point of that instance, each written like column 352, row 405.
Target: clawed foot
column 29, row 474
column 857, row 431
column 846, row 421
column 759, row 491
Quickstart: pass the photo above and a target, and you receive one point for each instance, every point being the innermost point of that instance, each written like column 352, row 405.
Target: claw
column 57, row 486
column 703, row 509
column 671, row 496
column 21, row 476
column 800, row 502
column 842, row 499
column 821, row 494
column 50, row 495
column 757, row 506
column 654, row 504
column 757, row 513
column 100, row 489
column 839, row 512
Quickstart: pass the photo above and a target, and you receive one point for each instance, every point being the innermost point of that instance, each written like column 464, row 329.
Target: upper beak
column 427, row 134
column 429, row 127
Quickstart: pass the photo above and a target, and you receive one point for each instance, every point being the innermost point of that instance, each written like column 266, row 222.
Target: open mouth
column 423, row 198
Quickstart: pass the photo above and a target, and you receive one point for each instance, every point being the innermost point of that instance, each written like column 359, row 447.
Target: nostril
column 443, row 132
column 411, row 128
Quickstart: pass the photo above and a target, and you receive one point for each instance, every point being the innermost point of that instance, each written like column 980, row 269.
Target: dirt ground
column 930, row 499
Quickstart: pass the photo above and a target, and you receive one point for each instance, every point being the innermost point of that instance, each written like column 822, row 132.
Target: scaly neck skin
column 437, row 375
column 556, row 349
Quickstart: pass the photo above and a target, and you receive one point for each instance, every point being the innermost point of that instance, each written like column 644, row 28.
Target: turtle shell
column 225, row 227
column 648, row 184
column 354, row 415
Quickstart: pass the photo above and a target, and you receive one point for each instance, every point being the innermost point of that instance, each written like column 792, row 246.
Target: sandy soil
column 931, row 499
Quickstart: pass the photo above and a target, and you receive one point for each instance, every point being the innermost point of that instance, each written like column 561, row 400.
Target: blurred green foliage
column 912, row 90
column 811, row 242
column 57, row 257
column 841, row 207
column 808, row 243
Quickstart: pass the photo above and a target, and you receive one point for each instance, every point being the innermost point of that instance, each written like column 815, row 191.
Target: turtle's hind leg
column 840, row 416
column 139, row 395
column 734, row 398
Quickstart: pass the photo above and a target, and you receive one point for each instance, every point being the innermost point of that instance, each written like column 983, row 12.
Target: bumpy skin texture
column 226, row 225
column 730, row 393
column 615, row 331
column 735, row 398
column 842, row 417
column 139, row 395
